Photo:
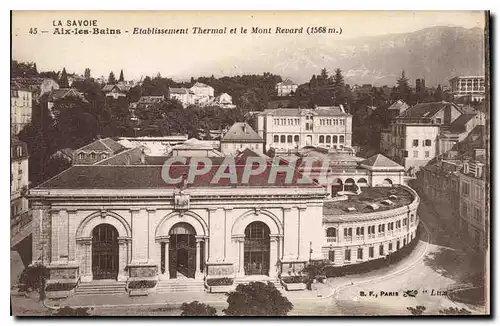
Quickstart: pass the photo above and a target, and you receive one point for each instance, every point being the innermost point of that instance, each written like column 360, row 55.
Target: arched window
column 341, row 139
column 81, row 156
column 283, row 139
column 331, row 232
column 276, row 138
column 335, row 139
column 296, row 138
column 362, row 182
column 321, row 139
column 328, row 139
column 387, row 182
column 256, row 249
column 103, row 156
column 92, row 156
column 289, row 139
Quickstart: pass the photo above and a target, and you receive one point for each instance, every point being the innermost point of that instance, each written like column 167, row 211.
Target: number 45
column 33, row 30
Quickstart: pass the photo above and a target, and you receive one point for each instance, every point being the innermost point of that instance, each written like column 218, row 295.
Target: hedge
column 143, row 284
column 60, row 287
column 220, row 281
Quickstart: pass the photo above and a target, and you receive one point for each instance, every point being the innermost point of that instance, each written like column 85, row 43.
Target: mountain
column 435, row 54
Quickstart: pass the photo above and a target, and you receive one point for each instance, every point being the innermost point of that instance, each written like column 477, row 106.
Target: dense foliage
column 142, row 284
column 34, row 277
column 196, row 308
column 220, row 281
column 257, row 299
column 60, row 287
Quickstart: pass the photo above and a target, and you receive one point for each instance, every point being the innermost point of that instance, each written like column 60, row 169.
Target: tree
column 111, row 79
column 87, row 73
column 34, row 277
column 403, row 88
column 339, row 91
column 73, row 312
column 196, row 308
column 438, row 95
column 257, row 299
column 63, row 81
column 121, row 79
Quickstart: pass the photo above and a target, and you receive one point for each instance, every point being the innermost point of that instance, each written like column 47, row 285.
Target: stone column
column 273, row 256
column 166, row 273
column 122, row 259
column 71, row 235
column 240, row 240
column 85, row 258
column 198, row 274
column 54, row 227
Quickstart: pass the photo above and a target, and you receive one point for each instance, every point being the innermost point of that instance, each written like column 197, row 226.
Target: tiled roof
column 241, row 132
column 380, row 161
column 425, row 110
column 150, row 176
column 57, row 94
column 399, row 105
column 459, row 123
column 198, row 84
column 193, row 143
column 286, row 82
column 106, row 145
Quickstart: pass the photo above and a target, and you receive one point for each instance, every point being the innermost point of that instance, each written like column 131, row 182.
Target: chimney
column 342, row 108
column 244, row 127
column 143, row 157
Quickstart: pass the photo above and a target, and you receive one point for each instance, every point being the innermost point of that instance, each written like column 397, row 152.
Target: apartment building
column 287, row 129
column 21, row 107
column 468, row 86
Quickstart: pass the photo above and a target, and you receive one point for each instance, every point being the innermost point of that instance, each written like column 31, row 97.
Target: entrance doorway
column 182, row 255
column 256, row 249
column 104, row 252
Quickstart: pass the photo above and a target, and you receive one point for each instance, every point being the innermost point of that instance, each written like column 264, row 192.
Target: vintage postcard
column 237, row 163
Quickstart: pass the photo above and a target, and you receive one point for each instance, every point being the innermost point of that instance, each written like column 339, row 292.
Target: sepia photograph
column 250, row 163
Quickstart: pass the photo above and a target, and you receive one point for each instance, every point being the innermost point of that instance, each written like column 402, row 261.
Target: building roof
column 425, row 110
column 57, row 94
column 286, row 82
column 181, row 90
column 198, row 84
column 121, row 88
column 106, row 144
column 399, row 106
column 461, row 121
column 150, row 176
column 31, row 81
column 17, row 86
column 241, row 132
column 294, row 112
column 381, row 162
column 150, row 99
column 194, row 143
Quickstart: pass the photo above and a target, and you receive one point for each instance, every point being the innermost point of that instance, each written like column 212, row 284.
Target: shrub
column 220, row 281
column 68, row 311
column 142, row 284
column 257, row 299
column 60, row 286
column 196, row 308
column 34, row 277
column 294, row 279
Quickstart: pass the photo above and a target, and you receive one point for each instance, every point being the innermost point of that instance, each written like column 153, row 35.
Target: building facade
column 287, row 129
column 474, row 216
column 286, row 87
column 414, row 133
column 19, row 177
column 20, row 107
column 468, row 86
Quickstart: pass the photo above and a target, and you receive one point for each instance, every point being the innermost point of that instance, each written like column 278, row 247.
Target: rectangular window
column 360, row 253
column 381, row 250
column 345, row 232
column 428, row 142
column 331, row 255
column 426, row 153
column 370, row 252
column 465, row 189
column 415, row 154
column 415, row 143
column 477, row 213
column 348, row 254
column 390, row 246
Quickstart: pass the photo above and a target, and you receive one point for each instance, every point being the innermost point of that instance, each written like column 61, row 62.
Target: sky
column 181, row 56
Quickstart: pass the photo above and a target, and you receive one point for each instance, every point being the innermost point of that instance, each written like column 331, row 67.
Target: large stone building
column 468, row 86
column 286, row 87
column 20, row 107
column 288, row 129
column 133, row 217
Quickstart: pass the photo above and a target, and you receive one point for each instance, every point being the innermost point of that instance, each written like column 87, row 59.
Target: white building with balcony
column 470, row 86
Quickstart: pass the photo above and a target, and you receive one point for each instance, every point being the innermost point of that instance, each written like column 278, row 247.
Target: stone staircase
column 101, row 287
column 180, row 285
